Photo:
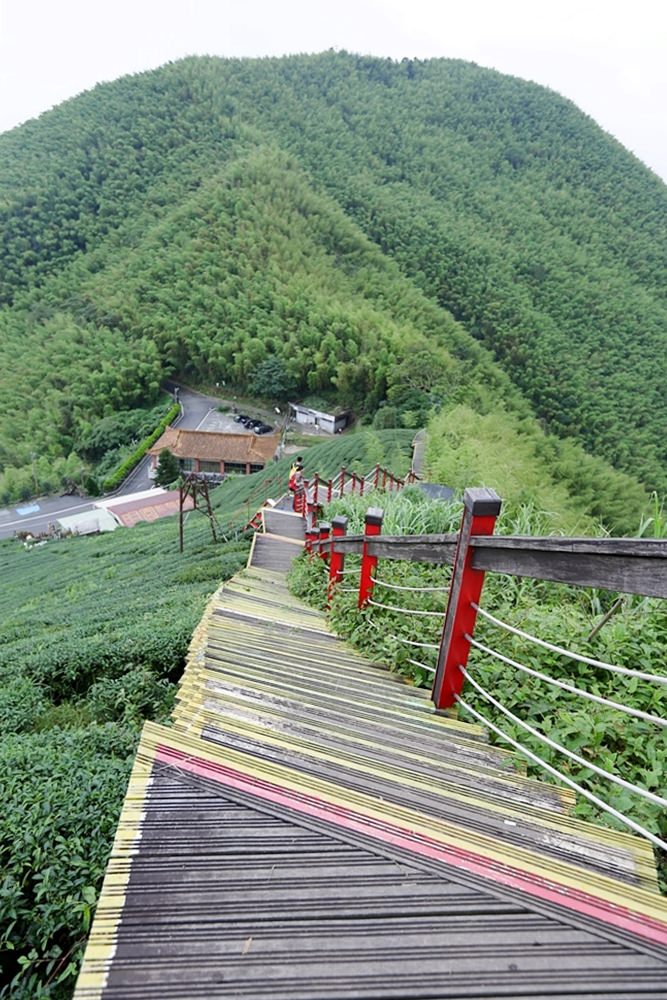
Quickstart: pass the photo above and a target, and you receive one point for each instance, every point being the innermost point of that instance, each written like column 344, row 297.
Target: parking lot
column 224, row 423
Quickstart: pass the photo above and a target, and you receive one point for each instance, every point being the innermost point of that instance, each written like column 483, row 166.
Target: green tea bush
column 135, row 695
column 22, row 702
column 61, row 793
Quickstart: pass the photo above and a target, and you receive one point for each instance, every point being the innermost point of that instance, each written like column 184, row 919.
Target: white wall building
column 329, row 422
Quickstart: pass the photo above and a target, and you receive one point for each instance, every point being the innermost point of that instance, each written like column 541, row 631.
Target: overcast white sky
column 609, row 57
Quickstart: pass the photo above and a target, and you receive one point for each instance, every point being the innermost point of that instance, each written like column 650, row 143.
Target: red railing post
column 362, row 483
column 337, row 560
column 299, row 502
column 312, row 534
column 384, row 478
column 377, row 477
column 342, row 480
column 316, row 488
column 481, row 507
column 372, row 528
column 329, row 490
column 324, row 532
column 311, row 503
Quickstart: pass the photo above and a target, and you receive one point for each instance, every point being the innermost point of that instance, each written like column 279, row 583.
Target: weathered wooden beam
column 626, row 565
column 410, row 548
column 416, row 548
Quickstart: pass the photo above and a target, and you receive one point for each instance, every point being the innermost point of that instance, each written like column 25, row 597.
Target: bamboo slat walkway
column 308, row 829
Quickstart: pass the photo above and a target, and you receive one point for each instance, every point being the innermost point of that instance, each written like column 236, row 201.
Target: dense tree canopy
column 338, row 214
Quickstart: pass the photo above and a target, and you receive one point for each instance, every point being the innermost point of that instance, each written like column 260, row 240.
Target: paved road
column 36, row 515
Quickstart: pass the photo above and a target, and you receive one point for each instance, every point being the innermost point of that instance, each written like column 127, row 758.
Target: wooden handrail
column 627, row 565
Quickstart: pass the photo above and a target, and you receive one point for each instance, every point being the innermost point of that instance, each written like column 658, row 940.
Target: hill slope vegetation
column 344, row 214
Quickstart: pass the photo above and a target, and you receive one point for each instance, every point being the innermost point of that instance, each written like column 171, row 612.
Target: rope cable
column 405, row 611
column 637, row 712
column 562, row 777
column 656, row 678
column 657, row 799
column 422, row 666
column 408, row 642
column 414, row 590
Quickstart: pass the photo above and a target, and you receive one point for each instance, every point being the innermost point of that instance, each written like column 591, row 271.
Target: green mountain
column 414, row 234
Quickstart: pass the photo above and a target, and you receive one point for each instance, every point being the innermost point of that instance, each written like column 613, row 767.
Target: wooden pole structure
column 481, row 507
column 196, row 487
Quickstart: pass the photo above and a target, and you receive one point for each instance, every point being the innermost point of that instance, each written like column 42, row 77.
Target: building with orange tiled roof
column 216, row 453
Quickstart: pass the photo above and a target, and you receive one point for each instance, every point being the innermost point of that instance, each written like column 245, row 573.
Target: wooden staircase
column 310, row 829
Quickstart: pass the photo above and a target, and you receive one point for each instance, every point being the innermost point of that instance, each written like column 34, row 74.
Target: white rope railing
column 398, row 638
column 412, row 642
column 542, row 763
column 413, row 590
column 644, row 792
column 564, row 686
column 404, row 611
column 422, row 666
column 579, row 657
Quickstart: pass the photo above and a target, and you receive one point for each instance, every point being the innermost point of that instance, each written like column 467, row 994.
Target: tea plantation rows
column 93, row 636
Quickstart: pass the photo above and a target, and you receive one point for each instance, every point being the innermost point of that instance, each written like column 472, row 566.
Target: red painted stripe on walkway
column 389, row 833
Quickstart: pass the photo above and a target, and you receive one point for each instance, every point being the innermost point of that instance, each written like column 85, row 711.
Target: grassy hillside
column 344, row 214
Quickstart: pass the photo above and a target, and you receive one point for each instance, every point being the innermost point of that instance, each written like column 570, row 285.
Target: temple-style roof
column 213, row 446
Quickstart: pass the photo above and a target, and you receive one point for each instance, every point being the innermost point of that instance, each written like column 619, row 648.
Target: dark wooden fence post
column 373, row 527
column 377, row 477
column 341, row 484
column 337, row 560
column 481, row 507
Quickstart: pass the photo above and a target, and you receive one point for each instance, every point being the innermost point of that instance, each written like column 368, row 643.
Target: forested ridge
column 344, row 214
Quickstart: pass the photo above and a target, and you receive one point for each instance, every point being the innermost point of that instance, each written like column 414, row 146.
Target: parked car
column 263, row 429
column 241, row 418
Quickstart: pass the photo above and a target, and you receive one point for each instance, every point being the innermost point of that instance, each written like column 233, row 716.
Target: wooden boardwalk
column 309, row 829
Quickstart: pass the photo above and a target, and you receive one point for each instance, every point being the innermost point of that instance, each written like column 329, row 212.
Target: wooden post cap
column 482, row 502
column 374, row 515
